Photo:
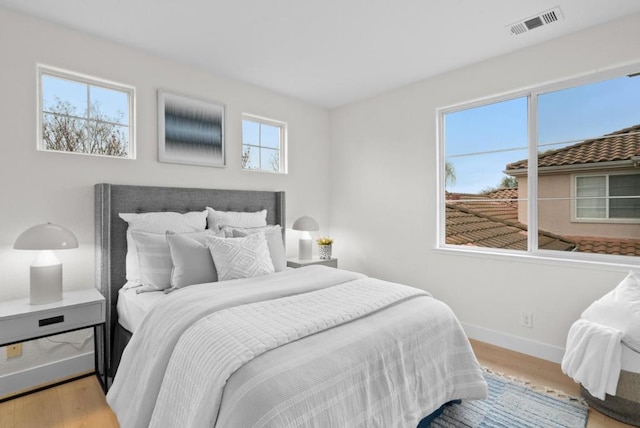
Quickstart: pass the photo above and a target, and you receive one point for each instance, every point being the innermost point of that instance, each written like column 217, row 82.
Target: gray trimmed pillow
column 159, row 223
column 274, row 243
column 192, row 261
column 155, row 264
column 236, row 258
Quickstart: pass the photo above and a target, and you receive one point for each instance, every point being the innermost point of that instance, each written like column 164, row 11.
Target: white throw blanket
column 593, row 357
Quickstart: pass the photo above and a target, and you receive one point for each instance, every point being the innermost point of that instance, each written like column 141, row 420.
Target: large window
column 81, row 114
column 553, row 171
column 263, row 144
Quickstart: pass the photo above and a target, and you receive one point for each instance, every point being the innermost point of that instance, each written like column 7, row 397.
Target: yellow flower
column 325, row 241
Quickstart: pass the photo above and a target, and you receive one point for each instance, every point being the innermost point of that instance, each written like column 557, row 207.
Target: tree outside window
column 263, row 143
column 81, row 115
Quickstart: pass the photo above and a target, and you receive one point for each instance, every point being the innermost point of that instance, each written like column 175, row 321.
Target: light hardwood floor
column 539, row 372
column 82, row 403
column 76, row 404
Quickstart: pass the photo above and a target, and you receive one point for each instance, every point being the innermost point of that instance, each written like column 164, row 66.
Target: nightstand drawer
column 44, row 323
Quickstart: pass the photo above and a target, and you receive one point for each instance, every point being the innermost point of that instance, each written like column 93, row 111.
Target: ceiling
column 326, row 52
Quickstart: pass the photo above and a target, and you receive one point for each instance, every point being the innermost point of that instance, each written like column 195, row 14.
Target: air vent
column 544, row 18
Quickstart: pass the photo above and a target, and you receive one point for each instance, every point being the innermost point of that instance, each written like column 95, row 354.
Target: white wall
column 383, row 211
column 37, row 187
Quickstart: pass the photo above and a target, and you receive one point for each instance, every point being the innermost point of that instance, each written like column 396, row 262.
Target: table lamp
column 305, row 224
column 46, row 269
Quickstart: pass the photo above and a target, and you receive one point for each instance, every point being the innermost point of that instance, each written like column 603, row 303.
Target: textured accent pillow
column 274, row 243
column 240, row 257
column 192, row 261
column 155, row 264
column 218, row 219
column 157, row 222
column 620, row 308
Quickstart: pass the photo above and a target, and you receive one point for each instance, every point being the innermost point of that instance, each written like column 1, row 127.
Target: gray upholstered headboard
column 110, row 229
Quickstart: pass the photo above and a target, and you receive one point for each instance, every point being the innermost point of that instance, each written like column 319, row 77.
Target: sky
column 480, row 142
column 113, row 104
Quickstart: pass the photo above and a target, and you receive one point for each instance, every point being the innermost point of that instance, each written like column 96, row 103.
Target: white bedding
column 132, row 306
column 386, row 368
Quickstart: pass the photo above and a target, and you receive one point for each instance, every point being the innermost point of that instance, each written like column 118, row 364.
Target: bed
column 313, row 347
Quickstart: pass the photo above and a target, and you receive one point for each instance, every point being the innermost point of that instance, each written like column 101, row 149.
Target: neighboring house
column 589, row 192
column 589, row 201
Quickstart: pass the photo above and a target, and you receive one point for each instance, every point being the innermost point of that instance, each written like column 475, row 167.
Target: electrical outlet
column 526, row 319
column 14, row 350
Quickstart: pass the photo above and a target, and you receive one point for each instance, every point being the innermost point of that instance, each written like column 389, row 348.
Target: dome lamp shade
column 46, row 270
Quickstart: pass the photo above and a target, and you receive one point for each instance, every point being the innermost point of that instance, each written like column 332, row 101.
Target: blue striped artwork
column 190, row 131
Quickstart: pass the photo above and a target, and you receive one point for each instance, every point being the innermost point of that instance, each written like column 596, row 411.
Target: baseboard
column 36, row 377
column 515, row 343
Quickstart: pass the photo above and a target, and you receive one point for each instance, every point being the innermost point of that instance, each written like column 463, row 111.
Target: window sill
column 264, row 171
column 606, row 220
column 576, row 260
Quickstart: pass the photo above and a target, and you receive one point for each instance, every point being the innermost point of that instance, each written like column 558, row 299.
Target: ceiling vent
column 544, row 18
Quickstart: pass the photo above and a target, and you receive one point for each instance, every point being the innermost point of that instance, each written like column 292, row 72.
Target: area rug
column 514, row 403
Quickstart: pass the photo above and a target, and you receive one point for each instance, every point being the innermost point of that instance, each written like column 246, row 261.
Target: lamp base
column 304, row 249
column 46, row 284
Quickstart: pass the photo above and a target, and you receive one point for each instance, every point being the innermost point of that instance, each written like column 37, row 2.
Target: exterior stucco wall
column 556, row 215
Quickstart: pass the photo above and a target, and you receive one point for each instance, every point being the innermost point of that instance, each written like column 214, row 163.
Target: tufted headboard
column 110, row 229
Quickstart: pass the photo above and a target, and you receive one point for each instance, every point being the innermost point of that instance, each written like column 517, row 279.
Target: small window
column 608, row 197
column 263, row 144
column 85, row 115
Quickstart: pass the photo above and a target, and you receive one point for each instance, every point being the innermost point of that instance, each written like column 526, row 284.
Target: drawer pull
column 52, row 320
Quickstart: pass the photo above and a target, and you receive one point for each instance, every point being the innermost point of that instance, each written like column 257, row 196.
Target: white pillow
column 155, row 264
column 218, row 219
column 620, row 308
column 192, row 261
column 274, row 243
column 157, row 222
column 240, row 257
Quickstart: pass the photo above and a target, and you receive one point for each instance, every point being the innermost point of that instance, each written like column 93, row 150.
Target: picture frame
column 190, row 130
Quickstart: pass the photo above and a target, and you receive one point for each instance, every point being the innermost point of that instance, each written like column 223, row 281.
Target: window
column 608, row 198
column 263, row 144
column 81, row 114
column 553, row 171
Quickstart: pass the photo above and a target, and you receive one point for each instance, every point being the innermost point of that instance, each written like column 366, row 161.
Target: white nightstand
column 297, row 263
column 20, row 321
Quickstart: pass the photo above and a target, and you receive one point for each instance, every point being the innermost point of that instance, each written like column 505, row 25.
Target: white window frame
column 574, row 205
column 283, row 142
column 533, row 252
column 93, row 81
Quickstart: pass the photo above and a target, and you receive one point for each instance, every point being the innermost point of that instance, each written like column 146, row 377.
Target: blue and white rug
column 513, row 404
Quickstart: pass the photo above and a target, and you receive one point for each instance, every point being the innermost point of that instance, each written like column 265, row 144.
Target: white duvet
column 314, row 347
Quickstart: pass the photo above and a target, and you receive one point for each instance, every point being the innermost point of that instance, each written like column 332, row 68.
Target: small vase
column 324, row 251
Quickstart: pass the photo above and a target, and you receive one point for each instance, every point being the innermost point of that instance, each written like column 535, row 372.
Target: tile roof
column 476, row 220
column 467, row 226
column 617, row 146
column 623, row 247
column 505, row 207
column 504, row 193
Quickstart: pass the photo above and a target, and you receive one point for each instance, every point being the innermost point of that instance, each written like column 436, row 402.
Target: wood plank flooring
column 77, row 404
column 82, row 403
column 539, row 372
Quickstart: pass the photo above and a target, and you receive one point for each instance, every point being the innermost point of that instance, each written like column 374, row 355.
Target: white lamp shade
column 46, row 236
column 46, row 270
column 306, row 224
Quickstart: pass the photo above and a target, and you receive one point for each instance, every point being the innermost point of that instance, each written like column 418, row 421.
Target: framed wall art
column 190, row 130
